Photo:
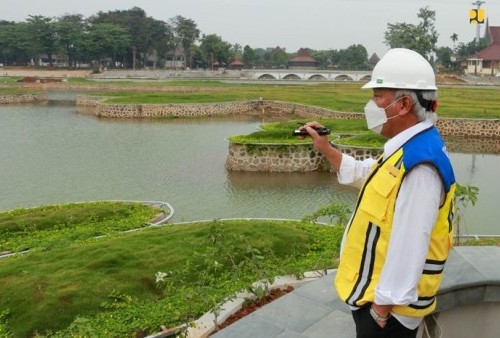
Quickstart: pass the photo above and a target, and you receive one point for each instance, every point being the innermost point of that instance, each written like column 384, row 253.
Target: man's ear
column 406, row 105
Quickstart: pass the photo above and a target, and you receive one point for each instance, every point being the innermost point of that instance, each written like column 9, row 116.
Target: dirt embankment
column 43, row 73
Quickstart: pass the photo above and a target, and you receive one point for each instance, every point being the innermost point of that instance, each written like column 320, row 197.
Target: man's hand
column 383, row 311
column 322, row 144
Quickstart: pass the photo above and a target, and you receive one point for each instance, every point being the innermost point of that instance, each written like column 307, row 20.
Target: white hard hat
column 402, row 68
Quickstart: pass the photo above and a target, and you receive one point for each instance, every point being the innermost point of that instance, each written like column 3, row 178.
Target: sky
column 290, row 24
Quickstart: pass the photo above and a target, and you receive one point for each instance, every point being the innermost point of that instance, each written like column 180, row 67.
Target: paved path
column 472, row 276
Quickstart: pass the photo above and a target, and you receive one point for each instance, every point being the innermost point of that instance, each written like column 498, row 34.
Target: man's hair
column 422, row 113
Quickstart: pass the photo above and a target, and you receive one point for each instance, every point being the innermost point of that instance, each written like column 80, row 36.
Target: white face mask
column 375, row 116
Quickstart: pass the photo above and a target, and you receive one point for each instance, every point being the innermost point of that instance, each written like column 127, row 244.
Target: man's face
column 384, row 98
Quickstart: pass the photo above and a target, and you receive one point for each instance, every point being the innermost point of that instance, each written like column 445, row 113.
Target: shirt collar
column 397, row 141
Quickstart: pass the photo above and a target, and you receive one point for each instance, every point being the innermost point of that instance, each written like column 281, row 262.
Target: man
column 400, row 234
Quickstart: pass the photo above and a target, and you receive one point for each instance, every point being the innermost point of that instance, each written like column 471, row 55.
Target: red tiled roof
column 236, row 63
column 302, row 56
column 489, row 53
column 492, row 52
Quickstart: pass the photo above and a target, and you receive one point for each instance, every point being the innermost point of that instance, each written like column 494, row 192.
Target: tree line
column 131, row 39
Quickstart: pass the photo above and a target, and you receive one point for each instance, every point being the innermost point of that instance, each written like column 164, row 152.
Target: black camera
column 320, row 131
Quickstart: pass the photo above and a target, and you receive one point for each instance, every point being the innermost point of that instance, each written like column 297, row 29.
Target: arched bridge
column 313, row 75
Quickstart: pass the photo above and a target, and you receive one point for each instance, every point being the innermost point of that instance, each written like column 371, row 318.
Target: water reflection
column 473, row 145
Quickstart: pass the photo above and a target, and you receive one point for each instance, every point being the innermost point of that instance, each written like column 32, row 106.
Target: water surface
column 52, row 154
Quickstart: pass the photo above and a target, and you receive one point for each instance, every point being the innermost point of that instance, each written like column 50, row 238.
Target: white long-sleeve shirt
column 415, row 215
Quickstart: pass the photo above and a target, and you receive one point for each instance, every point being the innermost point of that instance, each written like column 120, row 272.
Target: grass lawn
column 106, row 286
column 454, row 101
column 353, row 132
column 15, row 90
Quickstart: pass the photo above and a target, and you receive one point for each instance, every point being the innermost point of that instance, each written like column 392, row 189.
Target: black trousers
column 367, row 327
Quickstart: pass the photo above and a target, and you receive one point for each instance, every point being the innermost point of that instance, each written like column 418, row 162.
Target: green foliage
column 15, row 91
column 108, row 285
column 281, row 132
column 421, row 38
column 49, row 227
column 4, row 324
column 368, row 139
column 465, row 196
column 336, row 213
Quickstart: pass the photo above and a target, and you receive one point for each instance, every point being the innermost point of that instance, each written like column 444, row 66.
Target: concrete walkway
column 472, row 276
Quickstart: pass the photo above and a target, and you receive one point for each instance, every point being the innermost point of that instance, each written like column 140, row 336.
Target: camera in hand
column 320, row 131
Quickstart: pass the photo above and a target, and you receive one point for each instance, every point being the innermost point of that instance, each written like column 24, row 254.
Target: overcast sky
column 292, row 24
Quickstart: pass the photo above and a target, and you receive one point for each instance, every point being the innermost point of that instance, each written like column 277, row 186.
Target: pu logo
column 476, row 16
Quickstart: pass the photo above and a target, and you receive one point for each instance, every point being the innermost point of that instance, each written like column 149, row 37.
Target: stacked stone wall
column 474, row 128
column 89, row 101
column 172, row 110
column 274, row 158
column 286, row 157
column 23, row 98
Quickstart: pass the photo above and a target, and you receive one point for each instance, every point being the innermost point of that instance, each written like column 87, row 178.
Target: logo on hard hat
column 380, row 81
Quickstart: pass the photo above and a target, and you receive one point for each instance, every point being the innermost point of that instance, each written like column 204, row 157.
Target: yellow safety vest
column 367, row 238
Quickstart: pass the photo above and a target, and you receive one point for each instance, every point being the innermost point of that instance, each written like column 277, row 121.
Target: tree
column 323, row 58
column 137, row 25
column 70, row 30
column 467, row 49
column 162, row 40
column 213, row 48
column 454, row 38
column 249, row 56
column 279, row 57
column 443, row 57
column 186, row 33
column 421, row 38
column 15, row 42
column 107, row 40
column 42, row 35
column 354, row 57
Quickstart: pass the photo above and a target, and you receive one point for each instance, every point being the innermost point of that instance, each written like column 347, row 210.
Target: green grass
column 456, row 101
column 9, row 79
column 367, row 139
column 281, row 132
column 52, row 289
column 494, row 241
column 54, row 226
column 15, row 90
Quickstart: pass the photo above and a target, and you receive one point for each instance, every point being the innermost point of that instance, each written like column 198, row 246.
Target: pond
column 53, row 154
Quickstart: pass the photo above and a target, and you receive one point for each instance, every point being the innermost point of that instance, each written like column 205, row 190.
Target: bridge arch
column 317, row 77
column 292, row 77
column 366, row 78
column 343, row 77
column 266, row 77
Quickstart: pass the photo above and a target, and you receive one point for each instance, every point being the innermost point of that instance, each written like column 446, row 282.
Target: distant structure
column 373, row 60
column 486, row 62
column 236, row 64
column 302, row 60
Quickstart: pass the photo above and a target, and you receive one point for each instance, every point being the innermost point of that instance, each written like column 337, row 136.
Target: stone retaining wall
column 475, row 128
column 23, row 98
column 286, row 157
column 274, row 158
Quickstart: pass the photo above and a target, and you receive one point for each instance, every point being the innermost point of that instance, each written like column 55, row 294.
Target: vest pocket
column 376, row 195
